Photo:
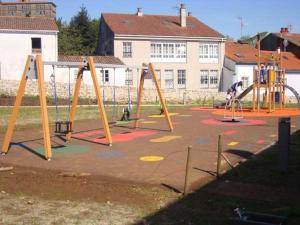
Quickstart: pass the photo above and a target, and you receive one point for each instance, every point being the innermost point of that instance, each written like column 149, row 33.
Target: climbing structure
column 269, row 78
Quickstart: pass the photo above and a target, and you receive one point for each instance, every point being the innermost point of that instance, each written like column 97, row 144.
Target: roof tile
column 28, row 23
column 157, row 25
column 245, row 53
column 97, row 59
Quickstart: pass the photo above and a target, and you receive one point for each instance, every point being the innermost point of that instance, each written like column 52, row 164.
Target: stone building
column 28, row 8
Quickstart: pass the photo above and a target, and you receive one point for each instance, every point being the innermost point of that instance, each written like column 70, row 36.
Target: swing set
column 34, row 70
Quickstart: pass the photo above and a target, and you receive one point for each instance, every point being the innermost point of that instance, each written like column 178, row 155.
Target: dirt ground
column 113, row 184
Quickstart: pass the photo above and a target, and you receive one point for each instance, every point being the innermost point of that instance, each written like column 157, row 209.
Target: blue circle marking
column 110, row 154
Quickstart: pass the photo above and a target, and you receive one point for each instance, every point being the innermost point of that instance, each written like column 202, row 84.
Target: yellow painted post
column 18, row 101
column 100, row 102
column 75, row 101
column 43, row 103
column 254, row 87
column 161, row 97
column 139, row 100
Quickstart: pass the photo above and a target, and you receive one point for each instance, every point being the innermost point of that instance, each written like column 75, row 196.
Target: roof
column 28, row 23
column 157, row 25
column 246, row 54
column 97, row 59
column 291, row 37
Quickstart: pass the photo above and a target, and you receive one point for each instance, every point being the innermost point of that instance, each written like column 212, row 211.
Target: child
column 228, row 97
column 234, row 88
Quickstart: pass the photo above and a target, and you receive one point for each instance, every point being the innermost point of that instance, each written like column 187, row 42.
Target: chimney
column 189, row 13
column 182, row 15
column 139, row 12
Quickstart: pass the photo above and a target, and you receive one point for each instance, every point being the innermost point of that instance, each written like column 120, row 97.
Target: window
column 36, row 44
column 208, row 53
column 209, row 79
column 169, row 79
column 12, row 10
column 41, row 9
column 26, row 9
column 204, row 78
column 213, row 79
column 245, row 81
column 129, row 77
column 127, row 49
column 181, row 78
column 168, row 52
column 105, row 76
column 158, row 76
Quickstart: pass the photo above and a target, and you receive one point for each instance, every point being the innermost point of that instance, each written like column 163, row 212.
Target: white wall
column 16, row 46
column 62, row 74
column 293, row 80
column 243, row 71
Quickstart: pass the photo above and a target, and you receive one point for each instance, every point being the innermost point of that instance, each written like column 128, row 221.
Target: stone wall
column 9, row 87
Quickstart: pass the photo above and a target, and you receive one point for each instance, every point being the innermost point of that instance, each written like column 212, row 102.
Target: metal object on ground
column 253, row 218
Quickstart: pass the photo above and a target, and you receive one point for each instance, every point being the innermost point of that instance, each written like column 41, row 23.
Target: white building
column 23, row 36
column 240, row 60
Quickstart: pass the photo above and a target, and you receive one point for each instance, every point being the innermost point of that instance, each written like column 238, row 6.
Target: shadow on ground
column 256, row 185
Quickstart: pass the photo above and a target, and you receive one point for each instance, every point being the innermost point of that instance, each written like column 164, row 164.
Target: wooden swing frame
column 34, row 65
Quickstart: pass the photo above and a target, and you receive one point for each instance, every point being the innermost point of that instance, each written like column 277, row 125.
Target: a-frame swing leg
column 75, row 101
column 44, row 113
column 100, row 101
column 161, row 97
column 139, row 100
column 13, row 117
column 43, row 103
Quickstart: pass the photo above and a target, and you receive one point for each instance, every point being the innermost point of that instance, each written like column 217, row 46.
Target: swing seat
column 59, row 125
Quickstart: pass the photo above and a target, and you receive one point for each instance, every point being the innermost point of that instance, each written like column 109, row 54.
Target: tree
column 80, row 36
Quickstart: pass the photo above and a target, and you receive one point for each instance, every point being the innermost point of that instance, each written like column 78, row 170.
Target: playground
column 151, row 153
column 179, row 148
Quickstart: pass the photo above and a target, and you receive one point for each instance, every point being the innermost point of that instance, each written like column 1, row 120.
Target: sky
column 222, row 15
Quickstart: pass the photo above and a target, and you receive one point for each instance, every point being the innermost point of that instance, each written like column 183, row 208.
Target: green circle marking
column 64, row 150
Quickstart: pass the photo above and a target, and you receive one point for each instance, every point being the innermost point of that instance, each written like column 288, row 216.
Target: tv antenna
column 242, row 24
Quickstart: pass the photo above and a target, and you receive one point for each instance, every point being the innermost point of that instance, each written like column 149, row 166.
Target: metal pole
column 186, row 179
column 284, row 130
column 219, row 156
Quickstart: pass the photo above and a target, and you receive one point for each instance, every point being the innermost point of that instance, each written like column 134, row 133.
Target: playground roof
column 157, row 25
column 97, row 59
column 28, row 23
column 247, row 54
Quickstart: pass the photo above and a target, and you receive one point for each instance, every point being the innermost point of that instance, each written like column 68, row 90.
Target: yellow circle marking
column 162, row 116
column 165, row 139
column 293, row 126
column 273, row 135
column 151, row 158
column 233, row 143
column 149, row 122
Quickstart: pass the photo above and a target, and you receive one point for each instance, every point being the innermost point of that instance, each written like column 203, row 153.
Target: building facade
column 23, row 36
column 28, row 8
column 186, row 53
